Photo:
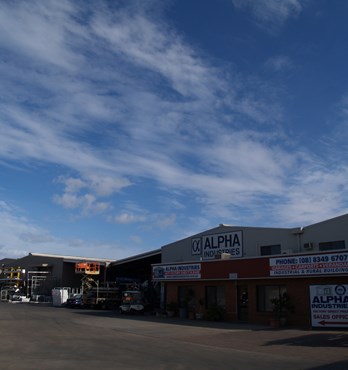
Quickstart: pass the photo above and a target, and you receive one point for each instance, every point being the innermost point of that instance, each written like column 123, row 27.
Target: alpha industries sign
column 329, row 305
column 177, row 272
column 210, row 246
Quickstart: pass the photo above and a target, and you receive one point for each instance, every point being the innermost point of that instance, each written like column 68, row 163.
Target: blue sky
column 127, row 125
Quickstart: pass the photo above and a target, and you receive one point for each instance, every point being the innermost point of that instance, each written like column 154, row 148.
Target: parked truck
column 102, row 298
column 132, row 302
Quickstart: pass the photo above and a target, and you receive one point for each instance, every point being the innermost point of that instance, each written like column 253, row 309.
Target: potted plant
column 191, row 304
column 200, row 309
column 281, row 306
column 172, row 309
column 191, row 314
column 183, row 312
column 216, row 312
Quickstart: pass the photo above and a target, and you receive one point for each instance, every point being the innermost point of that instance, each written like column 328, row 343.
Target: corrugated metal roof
column 137, row 257
column 71, row 258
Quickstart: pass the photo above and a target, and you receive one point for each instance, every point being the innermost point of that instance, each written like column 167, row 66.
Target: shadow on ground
column 340, row 365
column 223, row 325
column 314, row 340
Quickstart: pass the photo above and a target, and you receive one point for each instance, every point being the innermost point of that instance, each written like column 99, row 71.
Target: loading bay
column 34, row 336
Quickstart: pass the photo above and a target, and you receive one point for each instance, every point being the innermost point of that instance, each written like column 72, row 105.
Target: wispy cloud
column 117, row 98
column 340, row 128
column 156, row 49
column 316, row 195
column 271, row 14
column 19, row 236
column 40, row 29
column 128, row 218
column 279, row 63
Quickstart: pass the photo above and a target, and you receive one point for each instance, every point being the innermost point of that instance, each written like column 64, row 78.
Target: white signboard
column 209, row 246
column 313, row 264
column 329, row 305
column 177, row 272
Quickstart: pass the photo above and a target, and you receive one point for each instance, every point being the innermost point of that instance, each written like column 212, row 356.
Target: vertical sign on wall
column 329, row 305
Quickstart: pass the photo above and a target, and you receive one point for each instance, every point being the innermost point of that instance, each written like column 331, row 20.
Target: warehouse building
column 36, row 274
column 260, row 275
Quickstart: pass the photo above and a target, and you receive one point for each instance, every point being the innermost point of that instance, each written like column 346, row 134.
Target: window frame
column 264, row 298
column 331, row 246
column 219, row 295
column 271, row 249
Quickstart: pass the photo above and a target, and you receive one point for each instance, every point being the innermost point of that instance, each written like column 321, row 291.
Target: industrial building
column 259, row 275
column 237, row 273
column 36, row 274
column 40, row 277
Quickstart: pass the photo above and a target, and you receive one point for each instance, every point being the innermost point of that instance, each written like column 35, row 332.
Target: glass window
column 268, row 250
column 328, row 246
column 215, row 295
column 266, row 293
column 186, row 295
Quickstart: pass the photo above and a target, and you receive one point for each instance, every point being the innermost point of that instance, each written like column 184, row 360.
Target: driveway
column 34, row 336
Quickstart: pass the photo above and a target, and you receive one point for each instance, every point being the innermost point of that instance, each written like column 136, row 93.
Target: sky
column 128, row 125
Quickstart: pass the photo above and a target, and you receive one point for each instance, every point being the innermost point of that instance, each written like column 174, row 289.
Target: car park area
column 40, row 336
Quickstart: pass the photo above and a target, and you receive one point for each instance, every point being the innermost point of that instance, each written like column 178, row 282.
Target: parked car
column 74, row 301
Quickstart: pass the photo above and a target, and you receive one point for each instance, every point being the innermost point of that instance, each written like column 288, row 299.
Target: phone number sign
column 317, row 264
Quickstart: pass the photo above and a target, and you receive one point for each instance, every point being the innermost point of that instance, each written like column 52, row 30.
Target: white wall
column 292, row 240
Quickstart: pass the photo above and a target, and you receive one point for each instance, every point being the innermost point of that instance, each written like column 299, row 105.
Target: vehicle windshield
column 131, row 297
column 76, row 296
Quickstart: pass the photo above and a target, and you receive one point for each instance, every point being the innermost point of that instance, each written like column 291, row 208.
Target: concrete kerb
column 221, row 325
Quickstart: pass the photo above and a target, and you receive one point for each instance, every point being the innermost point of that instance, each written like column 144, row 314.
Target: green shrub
column 172, row 306
column 216, row 313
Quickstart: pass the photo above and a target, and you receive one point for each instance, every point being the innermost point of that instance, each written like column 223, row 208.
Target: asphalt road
column 39, row 337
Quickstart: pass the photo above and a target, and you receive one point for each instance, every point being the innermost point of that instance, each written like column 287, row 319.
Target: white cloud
column 4, row 207
column 231, row 164
column 84, row 194
column 40, row 29
column 90, row 102
column 136, row 239
column 279, row 63
column 128, row 218
column 20, row 236
column 315, row 196
column 107, row 185
column 72, row 185
column 17, row 233
column 271, row 13
column 154, row 47
column 166, row 222
column 73, row 198
column 339, row 137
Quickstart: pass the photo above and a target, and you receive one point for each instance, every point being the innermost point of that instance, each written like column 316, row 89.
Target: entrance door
column 242, row 302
